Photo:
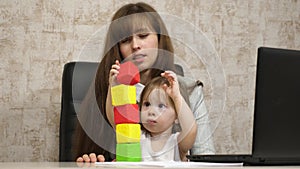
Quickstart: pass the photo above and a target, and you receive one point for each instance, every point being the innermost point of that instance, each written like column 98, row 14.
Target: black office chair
column 76, row 80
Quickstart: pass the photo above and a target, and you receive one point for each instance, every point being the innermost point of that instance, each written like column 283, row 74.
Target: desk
column 59, row 165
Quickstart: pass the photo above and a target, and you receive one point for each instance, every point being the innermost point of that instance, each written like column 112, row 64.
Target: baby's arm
column 185, row 115
column 114, row 71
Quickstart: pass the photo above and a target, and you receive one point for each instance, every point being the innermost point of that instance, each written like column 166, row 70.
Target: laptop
column 276, row 127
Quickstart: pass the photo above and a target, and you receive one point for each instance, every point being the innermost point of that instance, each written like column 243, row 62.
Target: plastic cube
column 128, row 74
column 128, row 133
column 129, row 152
column 128, row 113
column 123, row 94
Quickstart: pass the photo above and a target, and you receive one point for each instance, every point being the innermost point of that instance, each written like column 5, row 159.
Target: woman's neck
column 145, row 76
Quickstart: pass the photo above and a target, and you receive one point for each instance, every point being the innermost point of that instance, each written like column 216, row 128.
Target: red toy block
column 128, row 113
column 128, row 74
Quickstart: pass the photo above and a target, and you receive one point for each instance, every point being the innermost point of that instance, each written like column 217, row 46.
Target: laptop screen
column 277, row 104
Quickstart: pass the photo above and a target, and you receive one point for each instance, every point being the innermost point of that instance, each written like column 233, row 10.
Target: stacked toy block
column 126, row 114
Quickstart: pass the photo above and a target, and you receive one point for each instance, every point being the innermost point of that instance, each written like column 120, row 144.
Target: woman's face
column 141, row 48
column 157, row 112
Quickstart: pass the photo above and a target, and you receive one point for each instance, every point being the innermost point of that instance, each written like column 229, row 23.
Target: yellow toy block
column 128, row 133
column 123, row 94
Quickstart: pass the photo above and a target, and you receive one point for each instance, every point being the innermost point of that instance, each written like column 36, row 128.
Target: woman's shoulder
column 194, row 91
column 189, row 83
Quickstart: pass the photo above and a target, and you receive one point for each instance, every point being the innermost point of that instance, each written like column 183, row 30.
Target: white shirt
column 169, row 152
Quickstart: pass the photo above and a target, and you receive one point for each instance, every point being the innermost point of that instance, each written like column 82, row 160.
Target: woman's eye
column 126, row 40
column 146, row 104
column 143, row 35
column 162, row 105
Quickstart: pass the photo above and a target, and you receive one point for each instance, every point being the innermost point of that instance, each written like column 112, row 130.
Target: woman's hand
column 114, row 71
column 90, row 158
column 172, row 90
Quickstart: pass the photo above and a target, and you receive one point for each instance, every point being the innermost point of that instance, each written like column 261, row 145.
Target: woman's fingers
column 86, row 158
column 101, row 158
column 79, row 159
column 115, row 66
column 93, row 157
column 117, row 62
column 114, row 71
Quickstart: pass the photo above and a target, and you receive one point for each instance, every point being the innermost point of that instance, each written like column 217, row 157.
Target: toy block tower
column 126, row 114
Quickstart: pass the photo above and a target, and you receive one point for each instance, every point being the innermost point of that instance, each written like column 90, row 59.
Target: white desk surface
column 60, row 165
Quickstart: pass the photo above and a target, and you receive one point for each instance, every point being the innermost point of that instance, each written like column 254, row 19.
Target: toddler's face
column 157, row 112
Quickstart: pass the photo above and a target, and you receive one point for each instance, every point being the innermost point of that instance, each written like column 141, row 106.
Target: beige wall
column 38, row 37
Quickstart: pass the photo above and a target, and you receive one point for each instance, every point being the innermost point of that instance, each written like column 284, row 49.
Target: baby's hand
column 172, row 90
column 114, row 71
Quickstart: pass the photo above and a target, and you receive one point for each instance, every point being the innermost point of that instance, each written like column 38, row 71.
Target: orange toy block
column 128, row 74
column 128, row 113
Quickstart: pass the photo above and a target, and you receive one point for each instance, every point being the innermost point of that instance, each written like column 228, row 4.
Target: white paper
column 171, row 164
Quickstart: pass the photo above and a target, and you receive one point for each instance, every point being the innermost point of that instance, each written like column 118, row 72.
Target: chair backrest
column 76, row 80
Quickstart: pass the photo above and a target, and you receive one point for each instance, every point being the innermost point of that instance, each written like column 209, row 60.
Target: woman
column 139, row 34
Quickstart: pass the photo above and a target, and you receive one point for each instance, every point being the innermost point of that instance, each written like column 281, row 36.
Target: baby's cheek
column 143, row 116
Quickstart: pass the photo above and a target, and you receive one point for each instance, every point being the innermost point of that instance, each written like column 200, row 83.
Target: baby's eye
column 162, row 105
column 146, row 104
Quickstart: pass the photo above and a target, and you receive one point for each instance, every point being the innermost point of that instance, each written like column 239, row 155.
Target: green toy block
column 123, row 94
column 128, row 152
